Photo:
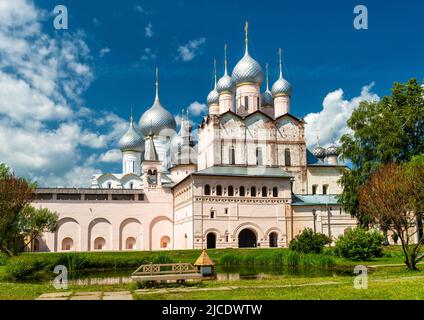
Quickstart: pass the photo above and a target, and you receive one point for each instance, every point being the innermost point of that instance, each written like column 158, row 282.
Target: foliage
column 394, row 196
column 309, row 242
column 386, row 131
column 20, row 223
column 280, row 258
column 360, row 244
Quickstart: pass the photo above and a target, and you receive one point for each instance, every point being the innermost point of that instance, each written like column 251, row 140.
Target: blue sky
column 331, row 65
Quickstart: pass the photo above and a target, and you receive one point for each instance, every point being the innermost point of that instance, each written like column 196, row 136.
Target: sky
column 66, row 95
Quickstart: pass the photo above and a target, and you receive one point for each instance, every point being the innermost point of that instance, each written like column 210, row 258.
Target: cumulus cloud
column 148, row 55
column 148, row 30
column 47, row 132
column 113, row 155
column 141, row 10
column 331, row 122
column 196, row 108
column 191, row 49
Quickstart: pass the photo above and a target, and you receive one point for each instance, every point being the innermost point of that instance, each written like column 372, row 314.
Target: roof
column 315, row 199
column 270, row 172
column 204, row 260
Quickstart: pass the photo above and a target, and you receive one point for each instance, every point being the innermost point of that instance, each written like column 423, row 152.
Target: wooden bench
column 165, row 272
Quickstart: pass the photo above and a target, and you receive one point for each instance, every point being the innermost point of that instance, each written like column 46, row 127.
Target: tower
column 213, row 96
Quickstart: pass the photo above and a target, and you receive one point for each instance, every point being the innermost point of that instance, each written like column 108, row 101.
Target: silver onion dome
column 333, row 151
column 247, row 69
column 213, row 97
column 319, row 152
column 226, row 83
column 267, row 99
column 281, row 86
column 131, row 140
column 157, row 119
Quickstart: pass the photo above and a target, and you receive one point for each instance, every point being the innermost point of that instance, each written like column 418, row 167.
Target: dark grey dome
column 333, row 151
column 319, row 152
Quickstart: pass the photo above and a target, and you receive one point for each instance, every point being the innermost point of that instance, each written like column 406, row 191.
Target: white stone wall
column 325, row 175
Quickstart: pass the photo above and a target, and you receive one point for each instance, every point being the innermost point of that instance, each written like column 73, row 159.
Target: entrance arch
column 247, row 239
column 273, row 240
column 211, row 241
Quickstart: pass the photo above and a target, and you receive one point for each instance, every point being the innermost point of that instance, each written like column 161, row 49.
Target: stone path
column 118, row 295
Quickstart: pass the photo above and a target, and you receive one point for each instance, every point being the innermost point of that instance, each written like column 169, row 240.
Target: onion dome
column 333, row 151
column 319, row 152
column 131, row 141
column 247, row 69
column 213, row 96
column 157, row 118
column 281, row 87
column 267, row 99
column 226, row 83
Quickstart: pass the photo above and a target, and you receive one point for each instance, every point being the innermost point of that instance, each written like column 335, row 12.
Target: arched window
column 99, row 244
column 232, row 155
column 275, row 192
column 212, row 214
column 131, row 185
column 246, row 103
column 130, row 243
column 207, row 190
column 219, row 190
column 109, row 185
column 242, row 191
column 67, row 244
column 259, row 160
column 164, row 242
column 273, row 240
column 287, row 157
column 230, row 191
column 314, row 189
column 264, row 192
column 257, row 103
column 325, row 189
column 253, row 192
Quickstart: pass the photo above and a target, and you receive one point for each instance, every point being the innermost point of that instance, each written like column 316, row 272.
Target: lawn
column 384, row 282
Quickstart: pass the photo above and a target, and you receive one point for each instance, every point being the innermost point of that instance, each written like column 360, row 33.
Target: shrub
column 309, row 242
column 360, row 244
column 3, row 259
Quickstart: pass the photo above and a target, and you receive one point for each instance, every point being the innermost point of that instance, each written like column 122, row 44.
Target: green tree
column 386, row 131
column 20, row 223
column 394, row 196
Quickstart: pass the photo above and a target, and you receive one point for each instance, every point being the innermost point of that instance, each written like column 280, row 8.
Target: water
column 123, row 276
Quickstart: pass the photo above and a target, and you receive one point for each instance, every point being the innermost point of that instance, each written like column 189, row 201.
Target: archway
column 211, row 241
column 247, row 239
column 273, row 240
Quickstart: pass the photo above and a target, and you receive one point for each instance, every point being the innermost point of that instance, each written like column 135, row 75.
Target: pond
column 122, row 276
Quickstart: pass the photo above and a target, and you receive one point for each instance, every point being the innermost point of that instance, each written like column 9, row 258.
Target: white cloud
column 113, row 155
column 47, row 133
column 331, row 122
column 177, row 119
column 191, row 49
column 148, row 30
column 141, row 10
column 196, row 108
column 104, row 51
column 148, row 55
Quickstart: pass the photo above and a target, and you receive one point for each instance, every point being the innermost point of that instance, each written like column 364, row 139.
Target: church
column 249, row 181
